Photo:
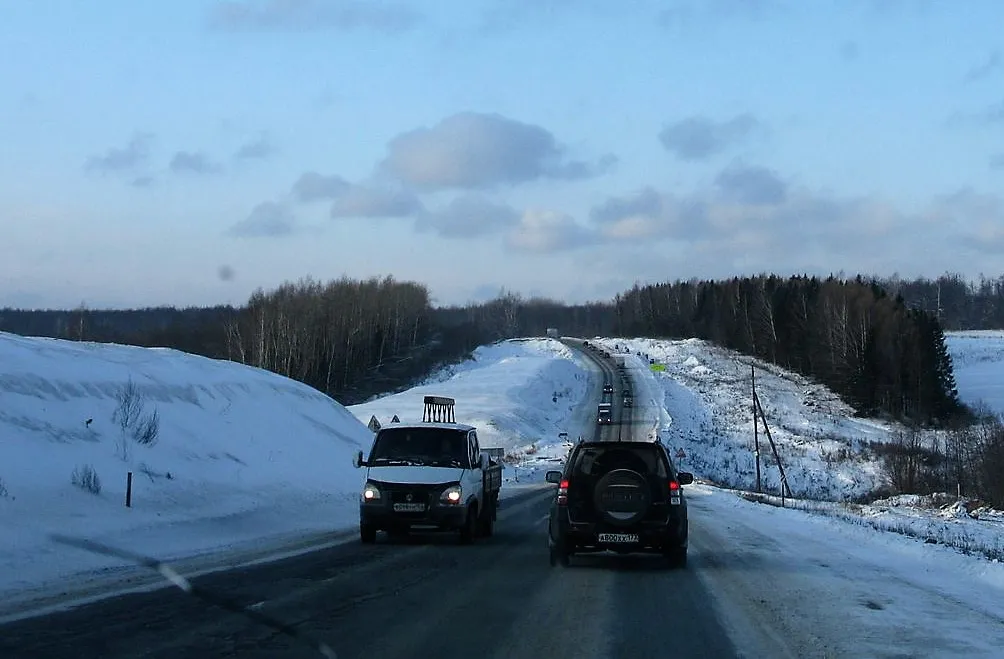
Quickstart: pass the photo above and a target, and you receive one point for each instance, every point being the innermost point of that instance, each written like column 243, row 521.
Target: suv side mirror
column 553, row 477
column 358, row 460
column 685, row 477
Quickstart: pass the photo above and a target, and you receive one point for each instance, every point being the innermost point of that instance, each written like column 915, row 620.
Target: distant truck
column 432, row 475
column 604, row 414
column 553, row 333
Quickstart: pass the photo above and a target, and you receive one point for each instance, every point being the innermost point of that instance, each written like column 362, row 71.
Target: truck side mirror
column 685, row 477
column 553, row 477
column 358, row 460
column 486, row 461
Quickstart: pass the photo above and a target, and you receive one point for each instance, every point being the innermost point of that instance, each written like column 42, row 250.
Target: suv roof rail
column 439, row 409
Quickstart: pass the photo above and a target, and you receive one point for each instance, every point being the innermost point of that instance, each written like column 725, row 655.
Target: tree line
column 958, row 303
column 351, row 339
column 873, row 349
column 966, row 459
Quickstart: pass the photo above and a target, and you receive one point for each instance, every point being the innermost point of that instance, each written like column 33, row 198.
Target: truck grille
column 411, row 493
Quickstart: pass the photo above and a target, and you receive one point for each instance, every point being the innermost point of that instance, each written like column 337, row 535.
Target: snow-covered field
column 244, row 463
column 978, row 364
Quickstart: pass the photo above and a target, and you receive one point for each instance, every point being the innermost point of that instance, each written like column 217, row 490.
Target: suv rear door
column 590, row 462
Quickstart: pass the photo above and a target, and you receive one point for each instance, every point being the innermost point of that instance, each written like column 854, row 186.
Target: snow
column 826, row 588
column 519, row 394
column 260, row 466
column 247, row 463
column 978, row 362
column 706, row 396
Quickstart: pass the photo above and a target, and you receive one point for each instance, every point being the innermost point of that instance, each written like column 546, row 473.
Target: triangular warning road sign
column 374, row 424
column 680, row 453
column 395, row 419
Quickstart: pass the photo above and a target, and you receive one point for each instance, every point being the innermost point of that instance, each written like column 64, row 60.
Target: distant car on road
column 628, row 401
column 608, row 388
column 619, row 496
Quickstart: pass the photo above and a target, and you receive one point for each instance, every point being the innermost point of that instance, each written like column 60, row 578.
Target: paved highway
column 422, row 597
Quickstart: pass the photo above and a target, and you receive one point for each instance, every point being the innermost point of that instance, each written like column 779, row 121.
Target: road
column 421, row 597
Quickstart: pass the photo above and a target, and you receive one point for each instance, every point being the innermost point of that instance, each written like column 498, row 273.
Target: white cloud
column 546, row 231
column 471, row 150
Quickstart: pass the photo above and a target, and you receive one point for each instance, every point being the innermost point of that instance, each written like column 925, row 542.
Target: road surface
column 420, row 597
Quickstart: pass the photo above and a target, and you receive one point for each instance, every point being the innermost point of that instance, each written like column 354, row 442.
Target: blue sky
column 188, row 152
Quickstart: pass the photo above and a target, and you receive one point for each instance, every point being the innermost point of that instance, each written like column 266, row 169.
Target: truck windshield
column 439, row 447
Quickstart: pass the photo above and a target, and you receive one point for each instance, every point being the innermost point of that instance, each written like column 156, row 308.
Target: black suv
column 619, row 496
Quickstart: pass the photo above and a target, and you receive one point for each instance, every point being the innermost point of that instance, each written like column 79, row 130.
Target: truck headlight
column 451, row 494
column 371, row 493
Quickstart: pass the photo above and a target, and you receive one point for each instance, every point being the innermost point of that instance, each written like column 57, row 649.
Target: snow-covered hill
column 519, row 394
column 707, row 405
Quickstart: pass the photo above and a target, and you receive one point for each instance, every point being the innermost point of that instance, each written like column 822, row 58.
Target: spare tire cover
column 622, row 497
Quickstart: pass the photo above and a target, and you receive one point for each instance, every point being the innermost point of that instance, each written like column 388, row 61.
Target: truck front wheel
column 487, row 529
column 367, row 534
column 470, row 527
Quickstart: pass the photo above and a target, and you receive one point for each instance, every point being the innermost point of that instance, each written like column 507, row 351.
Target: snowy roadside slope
column 507, row 392
column 249, row 453
column 978, row 364
column 708, row 413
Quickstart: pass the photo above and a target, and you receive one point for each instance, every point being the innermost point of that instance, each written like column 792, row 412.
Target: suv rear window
column 594, row 461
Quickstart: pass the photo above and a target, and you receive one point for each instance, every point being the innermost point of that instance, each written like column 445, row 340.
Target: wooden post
column 756, row 429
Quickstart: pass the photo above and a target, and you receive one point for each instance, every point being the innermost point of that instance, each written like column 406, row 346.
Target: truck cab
column 432, row 475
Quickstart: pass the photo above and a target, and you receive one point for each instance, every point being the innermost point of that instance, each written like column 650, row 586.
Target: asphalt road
column 422, row 597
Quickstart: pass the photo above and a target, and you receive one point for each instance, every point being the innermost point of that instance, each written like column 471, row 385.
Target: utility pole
column 756, row 429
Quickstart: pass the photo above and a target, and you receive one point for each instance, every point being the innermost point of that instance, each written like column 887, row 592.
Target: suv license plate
column 409, row 507
column 618, row 537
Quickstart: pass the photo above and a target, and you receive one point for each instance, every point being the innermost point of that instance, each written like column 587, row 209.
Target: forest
column 879, row 343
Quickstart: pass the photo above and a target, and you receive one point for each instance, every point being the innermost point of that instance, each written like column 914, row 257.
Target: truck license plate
column 618, row 537
column 409, row 507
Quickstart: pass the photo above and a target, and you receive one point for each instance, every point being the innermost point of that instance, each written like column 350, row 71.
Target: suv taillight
column 674, row 493
column 563, row 492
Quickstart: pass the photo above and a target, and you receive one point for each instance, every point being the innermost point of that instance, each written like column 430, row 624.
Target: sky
column 189, row 152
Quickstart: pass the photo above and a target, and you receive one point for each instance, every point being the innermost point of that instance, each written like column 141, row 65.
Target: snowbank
column 238, row 453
